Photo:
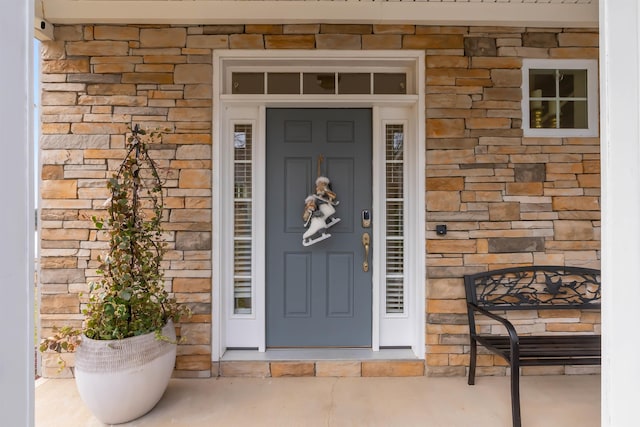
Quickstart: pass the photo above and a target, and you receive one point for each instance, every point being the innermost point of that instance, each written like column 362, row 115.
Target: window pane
column 558, row 97
column 242, row 218
column 242, row 143
column 542, row 83
column 242, row 296
column 389, row 83
column 354, row 83
column 573, row 83
column 394, row 180
column 542, row 114
column 319, row 83
column 242, row 259
column 395, row 259
column 283, row 83
column 573, row 115
column 243, row 180
column 247, row 83
column 395, row 218
column 395, row 295
column 394, row 207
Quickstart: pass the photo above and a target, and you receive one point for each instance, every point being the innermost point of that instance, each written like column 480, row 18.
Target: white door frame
column 249, row 330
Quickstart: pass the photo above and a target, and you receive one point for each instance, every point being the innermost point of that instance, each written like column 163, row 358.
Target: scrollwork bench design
column 494, row 293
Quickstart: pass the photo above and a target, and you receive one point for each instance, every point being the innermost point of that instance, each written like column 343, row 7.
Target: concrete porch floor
column 547, row 401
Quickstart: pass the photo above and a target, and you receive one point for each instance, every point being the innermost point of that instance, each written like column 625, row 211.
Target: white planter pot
column 122, row 380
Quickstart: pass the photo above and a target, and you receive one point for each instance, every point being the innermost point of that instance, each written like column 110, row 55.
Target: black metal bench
column 493, row 293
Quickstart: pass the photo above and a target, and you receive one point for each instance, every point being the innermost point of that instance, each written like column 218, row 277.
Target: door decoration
column 319, row 210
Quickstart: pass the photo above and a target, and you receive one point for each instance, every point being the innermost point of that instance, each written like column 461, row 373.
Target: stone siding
column 506, row 199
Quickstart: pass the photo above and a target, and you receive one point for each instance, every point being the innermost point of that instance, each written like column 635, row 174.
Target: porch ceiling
column 545, row 13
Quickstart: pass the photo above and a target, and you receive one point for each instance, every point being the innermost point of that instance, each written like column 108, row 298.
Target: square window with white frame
column 560, row 98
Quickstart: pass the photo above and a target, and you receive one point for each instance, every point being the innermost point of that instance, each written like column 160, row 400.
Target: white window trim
column 231, row 331
column 396, row 329
column 591, row 65
column 237, row 326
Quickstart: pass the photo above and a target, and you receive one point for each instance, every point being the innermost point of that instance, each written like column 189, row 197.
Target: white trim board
column 620, row 144
column 514, row 14
column 17, row 225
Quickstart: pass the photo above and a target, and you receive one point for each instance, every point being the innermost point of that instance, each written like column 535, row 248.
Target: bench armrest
column 511, row 330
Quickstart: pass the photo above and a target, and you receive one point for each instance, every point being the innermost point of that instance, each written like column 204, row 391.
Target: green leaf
column 98, row 222
column 125, row 294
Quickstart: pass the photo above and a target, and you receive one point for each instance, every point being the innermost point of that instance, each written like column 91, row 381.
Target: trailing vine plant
column 130, row 299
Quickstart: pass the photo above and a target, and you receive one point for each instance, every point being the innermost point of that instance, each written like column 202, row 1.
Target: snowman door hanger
column 319, row 210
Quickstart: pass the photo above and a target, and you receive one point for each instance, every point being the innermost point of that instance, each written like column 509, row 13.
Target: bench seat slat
column 561, row 362
column 561, row 351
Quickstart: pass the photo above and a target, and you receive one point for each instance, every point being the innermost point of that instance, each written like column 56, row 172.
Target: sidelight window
column 242, row 229
column 395, row 228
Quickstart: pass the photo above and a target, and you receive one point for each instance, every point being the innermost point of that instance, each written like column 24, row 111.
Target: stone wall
column 507, row 200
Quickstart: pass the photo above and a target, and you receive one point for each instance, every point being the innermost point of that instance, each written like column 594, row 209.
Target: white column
column 620, row 117
column 16, row 214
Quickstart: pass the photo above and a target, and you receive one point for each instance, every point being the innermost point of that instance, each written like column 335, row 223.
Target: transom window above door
column 318, row 83
column 337, row 74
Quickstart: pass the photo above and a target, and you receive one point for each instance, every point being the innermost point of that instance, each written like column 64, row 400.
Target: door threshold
column 313, row 354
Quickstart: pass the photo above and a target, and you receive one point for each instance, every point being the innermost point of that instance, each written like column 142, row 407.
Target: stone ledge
column 402, row 368
column 323, row 368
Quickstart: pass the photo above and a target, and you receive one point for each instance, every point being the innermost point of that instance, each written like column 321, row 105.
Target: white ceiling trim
column 546, row 13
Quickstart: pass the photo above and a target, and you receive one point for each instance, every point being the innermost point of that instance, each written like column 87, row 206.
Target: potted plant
column 126, row 351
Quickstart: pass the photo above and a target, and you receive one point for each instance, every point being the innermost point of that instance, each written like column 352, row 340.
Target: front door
column 318, row 295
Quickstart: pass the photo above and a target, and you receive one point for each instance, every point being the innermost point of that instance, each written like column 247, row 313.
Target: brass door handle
column 366, row 240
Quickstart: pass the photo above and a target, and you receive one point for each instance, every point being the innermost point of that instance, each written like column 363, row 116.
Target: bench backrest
column 534, row 288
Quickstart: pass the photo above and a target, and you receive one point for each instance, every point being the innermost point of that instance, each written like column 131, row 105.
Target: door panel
column 297, row 179
column 317, row 295
column 297, row 289
column 340, row 285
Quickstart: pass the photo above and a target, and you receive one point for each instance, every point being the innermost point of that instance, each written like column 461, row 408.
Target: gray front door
column 317, row 295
